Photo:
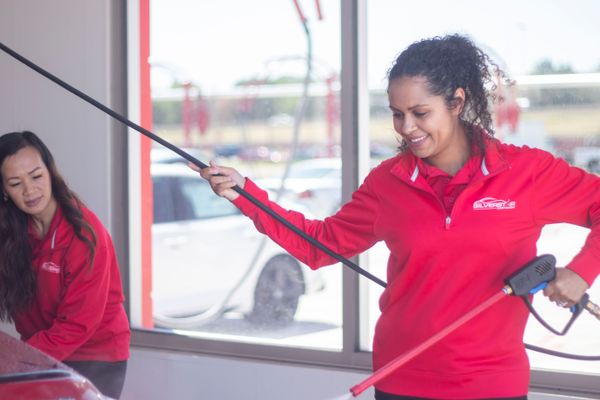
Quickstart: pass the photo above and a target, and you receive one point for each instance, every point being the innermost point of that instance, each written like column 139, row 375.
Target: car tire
column 277, row 292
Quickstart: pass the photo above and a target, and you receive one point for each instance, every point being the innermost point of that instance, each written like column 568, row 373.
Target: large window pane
column 247, row 84
column 551, row 49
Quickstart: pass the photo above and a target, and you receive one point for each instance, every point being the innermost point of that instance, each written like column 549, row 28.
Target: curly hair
column 17, row 277
column 451, row 62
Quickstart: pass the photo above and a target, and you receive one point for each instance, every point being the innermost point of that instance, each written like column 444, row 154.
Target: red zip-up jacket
column 442, row 264
column 78, row 311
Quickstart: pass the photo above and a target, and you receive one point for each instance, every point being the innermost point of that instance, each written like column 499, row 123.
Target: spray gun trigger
column 539, row 287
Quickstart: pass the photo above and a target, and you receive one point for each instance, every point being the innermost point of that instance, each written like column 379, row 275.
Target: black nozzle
column 534, row 276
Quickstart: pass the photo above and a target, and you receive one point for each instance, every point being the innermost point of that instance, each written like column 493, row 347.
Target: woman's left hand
column 566, row 289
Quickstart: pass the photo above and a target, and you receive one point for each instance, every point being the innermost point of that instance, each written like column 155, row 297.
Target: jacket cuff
column 586, row 266
column 246, row 206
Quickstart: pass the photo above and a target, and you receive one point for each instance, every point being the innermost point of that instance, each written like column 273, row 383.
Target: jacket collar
column 407, row 166
column 50, row 240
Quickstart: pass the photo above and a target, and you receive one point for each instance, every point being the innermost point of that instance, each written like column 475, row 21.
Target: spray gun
column 528, row 280
column 534, row 277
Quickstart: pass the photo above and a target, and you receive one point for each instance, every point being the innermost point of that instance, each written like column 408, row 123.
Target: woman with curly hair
column 59, row 277
column 459, row 211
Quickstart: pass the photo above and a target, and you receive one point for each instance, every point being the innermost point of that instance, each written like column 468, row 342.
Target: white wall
column 79, row 41
column 69, row 38
column 160, row 375
column 167, row 375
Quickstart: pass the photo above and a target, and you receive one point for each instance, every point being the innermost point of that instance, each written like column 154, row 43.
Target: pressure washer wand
column 409, row 355
column 594, row 309
column 534, row 275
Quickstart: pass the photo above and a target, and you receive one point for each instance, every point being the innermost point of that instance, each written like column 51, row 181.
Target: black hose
column 238, row 189
column 191, row 159
column 560, row 354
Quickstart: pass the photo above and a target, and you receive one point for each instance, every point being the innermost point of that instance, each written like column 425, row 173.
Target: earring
column 5, row 197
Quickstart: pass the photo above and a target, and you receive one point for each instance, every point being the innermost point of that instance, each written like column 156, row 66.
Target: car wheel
column 277, row 291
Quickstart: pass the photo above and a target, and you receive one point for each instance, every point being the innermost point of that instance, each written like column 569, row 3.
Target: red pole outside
column 331, row 114
column 186, row 114
column 146, row 179
column 318, row 6
column 300, row 14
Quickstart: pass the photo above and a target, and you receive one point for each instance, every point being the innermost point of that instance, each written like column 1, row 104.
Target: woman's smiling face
column 26, row 181
column 431, row 130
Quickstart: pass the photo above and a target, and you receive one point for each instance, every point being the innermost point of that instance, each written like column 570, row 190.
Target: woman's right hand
column 221, row 179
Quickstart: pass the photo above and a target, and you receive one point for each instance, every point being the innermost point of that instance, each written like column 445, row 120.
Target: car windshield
column 312, row 170
column 199, row 198
column 310, row 173
column 181, row 198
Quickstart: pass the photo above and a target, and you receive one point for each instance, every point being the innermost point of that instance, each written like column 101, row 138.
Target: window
column 244, row 100
column 552, row 106
column 266, row 104
column 204, row 202
column 163, row 204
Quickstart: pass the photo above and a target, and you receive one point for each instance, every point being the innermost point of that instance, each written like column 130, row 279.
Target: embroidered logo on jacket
column 51, row 267
column 490, row 203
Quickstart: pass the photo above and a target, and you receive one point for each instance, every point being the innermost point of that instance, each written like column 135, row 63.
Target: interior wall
column 159, row 375
column 71, row 39
column 169, row 375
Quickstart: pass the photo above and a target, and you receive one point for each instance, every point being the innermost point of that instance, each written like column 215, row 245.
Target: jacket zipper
column 448, row 219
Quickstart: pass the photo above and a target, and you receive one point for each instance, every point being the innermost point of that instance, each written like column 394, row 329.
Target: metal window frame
column 354, row 111
column 354, row 120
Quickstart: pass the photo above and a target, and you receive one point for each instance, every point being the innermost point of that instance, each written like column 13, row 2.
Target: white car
column 208, row 258
column 315, row 183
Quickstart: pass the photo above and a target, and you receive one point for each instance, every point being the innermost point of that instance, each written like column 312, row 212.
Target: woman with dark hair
column 460, row 211
column 59, row 277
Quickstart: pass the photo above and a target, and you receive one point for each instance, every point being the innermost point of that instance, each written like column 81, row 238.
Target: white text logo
column 490, row 203
column 51, row 267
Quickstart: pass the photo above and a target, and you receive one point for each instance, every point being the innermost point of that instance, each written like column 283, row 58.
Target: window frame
column 355, row 163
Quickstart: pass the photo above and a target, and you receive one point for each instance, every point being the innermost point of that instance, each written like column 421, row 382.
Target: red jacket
column 443, row 265
column 78, row 312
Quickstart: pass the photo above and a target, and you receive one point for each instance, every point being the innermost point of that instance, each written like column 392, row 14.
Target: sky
column 215, row 43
